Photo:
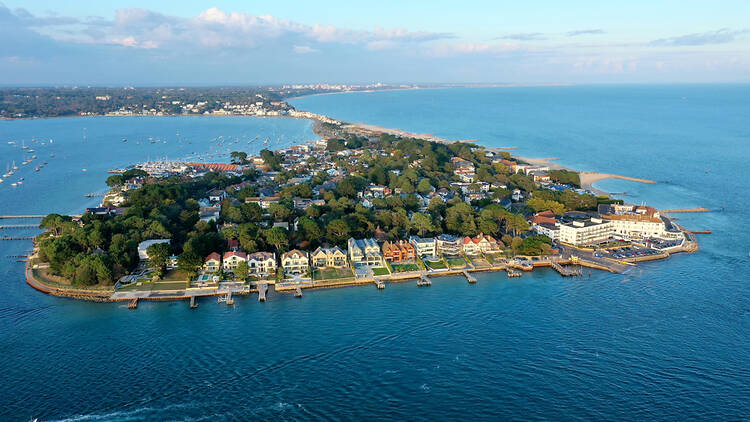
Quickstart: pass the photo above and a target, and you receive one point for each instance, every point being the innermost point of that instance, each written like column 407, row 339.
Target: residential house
column 364, row 252
column 212, row 263
column 232, row 259
column 295, row 262
column 328, row 257
column 449, row 245
column 262, row 263
column 217, row 195
column 424, row 247
column 399, row 251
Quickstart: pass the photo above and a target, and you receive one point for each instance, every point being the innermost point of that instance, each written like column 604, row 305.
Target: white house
column 424, row 247
column 262, row 263
column 365, row 252
column 295, row 262
column 232, row 259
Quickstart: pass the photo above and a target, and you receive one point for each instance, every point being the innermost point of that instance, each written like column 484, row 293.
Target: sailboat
column 15, row 167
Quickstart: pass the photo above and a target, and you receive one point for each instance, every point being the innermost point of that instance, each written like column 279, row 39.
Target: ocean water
column 667, row 340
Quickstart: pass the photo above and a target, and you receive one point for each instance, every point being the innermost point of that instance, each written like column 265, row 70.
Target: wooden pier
column 230, row 299
column 566, row 271
column 133, row 304
column 298, row 292
column 470, row 278
column 380, row 284
column 262, row 290
column 424, row 281
column 16, row 237
column 193, row 303
column 19, row 226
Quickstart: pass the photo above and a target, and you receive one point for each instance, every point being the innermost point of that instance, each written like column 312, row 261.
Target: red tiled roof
column 214, row 256
column 230, row 254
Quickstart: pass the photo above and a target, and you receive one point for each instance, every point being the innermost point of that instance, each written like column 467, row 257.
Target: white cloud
column 304, row 49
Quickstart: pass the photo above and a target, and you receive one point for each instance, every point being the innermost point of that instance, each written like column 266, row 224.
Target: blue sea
column 667, row 340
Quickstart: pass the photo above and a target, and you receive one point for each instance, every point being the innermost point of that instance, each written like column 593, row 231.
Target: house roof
column 213, row 256
column 238, row 254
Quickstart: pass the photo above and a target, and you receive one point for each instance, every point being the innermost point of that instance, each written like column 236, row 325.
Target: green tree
column 277, row 236
column 424, row 187
column 189, row 263
column 422, row 223
column 242, row 271
column 337, row 231
column 158, row 253
column 115, row 180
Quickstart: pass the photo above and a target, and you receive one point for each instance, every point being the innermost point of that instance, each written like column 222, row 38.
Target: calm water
column 666, row 341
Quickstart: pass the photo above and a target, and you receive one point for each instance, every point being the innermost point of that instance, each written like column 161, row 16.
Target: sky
column 188, row 42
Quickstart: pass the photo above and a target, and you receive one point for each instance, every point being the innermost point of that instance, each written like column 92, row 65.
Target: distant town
column 360, row 206
column 23, row 103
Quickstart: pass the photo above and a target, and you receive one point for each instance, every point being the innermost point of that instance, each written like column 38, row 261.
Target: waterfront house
column 333, row 257
column 212, row 263
column 262, row 263
column 365, row 252
column 232, row 259
column 482, row 244
column 399, row 251
column 295, row 262
column 449, row 245
column 424, row 247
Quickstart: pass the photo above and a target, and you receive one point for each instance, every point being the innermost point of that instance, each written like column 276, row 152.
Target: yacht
column 1, row 180
column 11, row 143
column 15, row 167
column 14, row 184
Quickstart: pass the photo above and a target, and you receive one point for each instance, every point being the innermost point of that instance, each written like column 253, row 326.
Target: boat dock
column 193, row 303
column 298, row 292
column 229, row 299
column 2, row 217
column 566, row 271
column 470, row 278
column 380, row 284
column 262, row 290
column 19, row 226
column 133, row 304
column 424, row 281
column 16, row 237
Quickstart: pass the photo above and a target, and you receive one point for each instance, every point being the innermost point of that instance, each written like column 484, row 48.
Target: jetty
column 16, row 237
column 700, row 231
column 262, row 290
column 193, row 303
column 5, row 217
column 683, row 210
column 424, row 281
column 566, row 271
column 470, row 278
column 380, row 284
column 298, row 292
column 133, row 304
column 19, row 226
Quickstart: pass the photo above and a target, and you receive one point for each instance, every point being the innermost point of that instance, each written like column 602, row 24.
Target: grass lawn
column 332, row 273
column 400, row 268
column 145, row 286
column 436, row 265
column 380, row 271
column 169, row 285
column 459, row 262
column 175, row 275
column 42, row 275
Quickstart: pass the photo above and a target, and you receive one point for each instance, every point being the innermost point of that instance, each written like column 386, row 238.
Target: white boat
column 83, row 169
column 23, row 145
column 15, row 167
column 14, row 184
column 11, row 143
column 1, row 180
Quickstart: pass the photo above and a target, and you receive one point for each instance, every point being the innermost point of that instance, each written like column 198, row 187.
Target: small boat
column 11, row 143
column 1, row 180
column 83, row 170
column 124, row 140
column 14, row 184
